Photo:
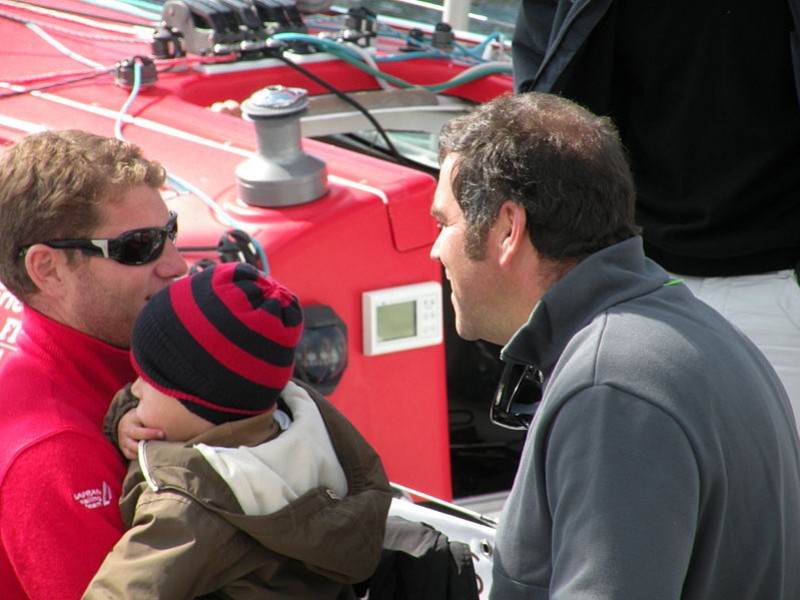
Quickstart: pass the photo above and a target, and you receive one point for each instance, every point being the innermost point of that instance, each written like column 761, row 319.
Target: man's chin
column 466, row 333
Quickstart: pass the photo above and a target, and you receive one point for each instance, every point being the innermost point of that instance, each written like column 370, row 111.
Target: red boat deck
column 371, row 230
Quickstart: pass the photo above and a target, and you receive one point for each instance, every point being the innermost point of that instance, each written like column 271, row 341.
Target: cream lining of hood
column 267, row 477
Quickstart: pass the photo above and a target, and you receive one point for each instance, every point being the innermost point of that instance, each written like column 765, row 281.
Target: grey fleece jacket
column 663, row 460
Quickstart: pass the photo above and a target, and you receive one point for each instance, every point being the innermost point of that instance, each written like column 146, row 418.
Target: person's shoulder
column 50, row 428
column 29, row 382
column 25, row 422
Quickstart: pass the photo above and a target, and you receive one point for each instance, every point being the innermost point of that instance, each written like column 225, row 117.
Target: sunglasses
column 517, row 397
column 134, row 247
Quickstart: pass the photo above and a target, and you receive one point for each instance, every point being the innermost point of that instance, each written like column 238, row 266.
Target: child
column 261, row 487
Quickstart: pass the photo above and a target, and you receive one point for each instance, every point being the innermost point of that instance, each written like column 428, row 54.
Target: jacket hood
column 267, row 477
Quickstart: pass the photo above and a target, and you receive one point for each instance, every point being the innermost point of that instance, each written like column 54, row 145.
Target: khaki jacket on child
column 298, row 516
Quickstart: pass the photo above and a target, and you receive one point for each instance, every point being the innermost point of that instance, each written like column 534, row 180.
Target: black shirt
column 705, row 99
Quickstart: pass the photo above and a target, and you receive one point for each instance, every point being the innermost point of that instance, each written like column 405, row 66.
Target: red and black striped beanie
column 221, row 341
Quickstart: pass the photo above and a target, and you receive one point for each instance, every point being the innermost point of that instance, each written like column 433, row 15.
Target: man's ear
column 47, row 268
column 513, row 231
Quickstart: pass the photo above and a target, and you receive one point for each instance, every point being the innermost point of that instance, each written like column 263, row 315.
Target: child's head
column 221, row 342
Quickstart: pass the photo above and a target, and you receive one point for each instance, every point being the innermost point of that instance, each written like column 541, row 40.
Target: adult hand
column 130, row 431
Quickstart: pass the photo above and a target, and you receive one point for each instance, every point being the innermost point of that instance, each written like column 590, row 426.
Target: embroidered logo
column 95, row 497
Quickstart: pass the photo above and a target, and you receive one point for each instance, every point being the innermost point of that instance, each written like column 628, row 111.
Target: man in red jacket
column 85, row 241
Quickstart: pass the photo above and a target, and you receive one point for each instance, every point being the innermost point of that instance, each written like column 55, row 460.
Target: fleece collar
column 606, row 278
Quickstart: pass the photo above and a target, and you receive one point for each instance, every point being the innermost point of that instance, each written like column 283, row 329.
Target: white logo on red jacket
column 95, row 497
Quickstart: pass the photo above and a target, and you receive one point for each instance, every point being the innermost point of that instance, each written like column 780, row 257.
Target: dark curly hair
column 566, row 166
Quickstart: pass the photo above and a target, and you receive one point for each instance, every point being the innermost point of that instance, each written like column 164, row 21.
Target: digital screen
column 397, row 321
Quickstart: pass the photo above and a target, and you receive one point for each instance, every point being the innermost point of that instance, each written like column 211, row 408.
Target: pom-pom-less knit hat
column 221, row 341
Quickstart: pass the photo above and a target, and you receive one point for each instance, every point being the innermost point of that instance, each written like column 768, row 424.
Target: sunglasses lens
column 139, row 247
column 142, row 246
column 516, row 399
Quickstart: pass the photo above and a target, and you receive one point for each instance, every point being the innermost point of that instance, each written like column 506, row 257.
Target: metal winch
column 280, row 173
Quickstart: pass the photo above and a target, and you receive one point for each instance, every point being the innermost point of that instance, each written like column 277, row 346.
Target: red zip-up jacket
column 60, row 478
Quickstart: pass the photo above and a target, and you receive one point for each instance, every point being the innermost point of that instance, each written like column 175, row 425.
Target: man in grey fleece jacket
column 662, row 460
